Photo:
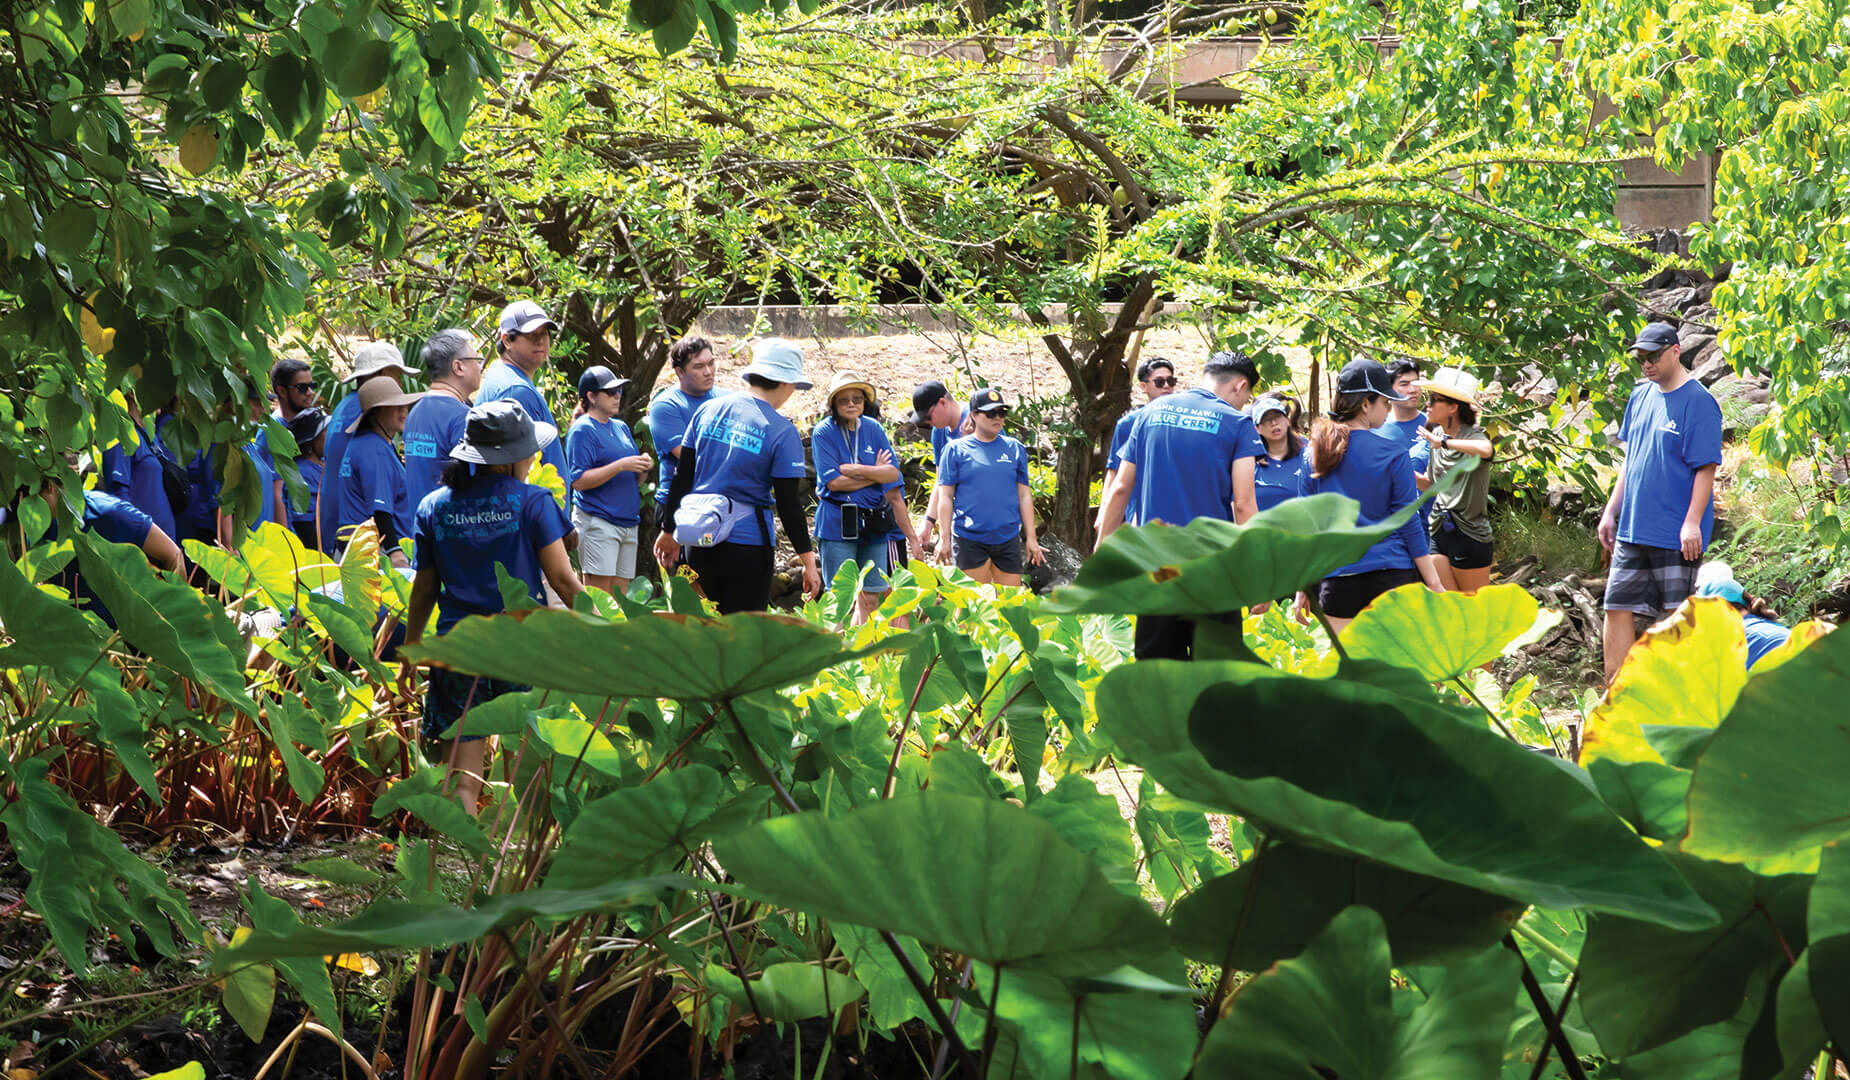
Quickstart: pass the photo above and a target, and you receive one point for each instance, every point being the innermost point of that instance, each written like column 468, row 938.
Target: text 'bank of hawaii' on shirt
column 432, row 429
column 1184, row 445
column 1667, row 437
column 986, row 506
column 463, row 535
column 740, row 445
column 502, row 380
column 594, row 443
column 669, row 413
column 1377, row 473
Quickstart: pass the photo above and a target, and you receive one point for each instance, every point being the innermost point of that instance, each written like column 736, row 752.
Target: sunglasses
column 1163, row 382
column 304, row 387
column 998, row 413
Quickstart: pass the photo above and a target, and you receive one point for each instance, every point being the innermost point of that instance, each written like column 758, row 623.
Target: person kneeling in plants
column 484, row 515
column 1764, row 631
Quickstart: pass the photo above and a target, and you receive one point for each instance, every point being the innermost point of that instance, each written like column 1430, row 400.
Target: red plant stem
column 905, row 725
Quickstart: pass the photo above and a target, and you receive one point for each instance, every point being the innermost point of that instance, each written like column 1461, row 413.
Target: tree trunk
column 1076, row 464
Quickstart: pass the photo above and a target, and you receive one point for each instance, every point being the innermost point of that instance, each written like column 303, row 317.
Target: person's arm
column 784, row 491
column 883, row 471
column 557, row 566
column 902, row 515
column 667, row 550
column 1429, row 573
column 227, row 530
column 946, row 497
column 1439, row 440
column 424, row 588
column 389, row 538
column 1609, row 517
column 832, row 472
column 1401, row 493
column 1245, row 498
column 1701, row 489
column 1024, row 501
column 280, row 503
column 1111, row 515
column 160, row 549
column 1104, row 496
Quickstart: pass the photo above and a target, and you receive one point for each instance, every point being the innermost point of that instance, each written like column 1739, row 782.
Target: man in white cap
column 525, row 344
column 375, row 359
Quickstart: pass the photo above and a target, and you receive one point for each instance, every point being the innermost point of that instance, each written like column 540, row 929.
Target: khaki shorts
column 604, row 547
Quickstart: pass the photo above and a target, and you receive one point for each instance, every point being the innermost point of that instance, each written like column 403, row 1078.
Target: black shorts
column 448, row 694
column 1648, row 580
column 1460, row 550
column 736, row 577
column 971, row 554
column 1344, row 597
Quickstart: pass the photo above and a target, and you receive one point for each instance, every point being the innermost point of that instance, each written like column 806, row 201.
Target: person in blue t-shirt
column 273, row 504
column 1278, row 474
column 669, row 412
column 113, row 520
column 134, row 473
column 1347, row 455
column 453, row 362
column 292, row 385
column 309, row 429
column 1658, row 519
column 1190, row 455
column 372, row 478
column 860, row 496
column 1157, row 377
column 1758, row 620
column 484, row 514
column 373, row 360
column 933, row 405
column 984, row 484
column 605, row 466
column 1406, row 418
column 527, row 334
column 740, row 456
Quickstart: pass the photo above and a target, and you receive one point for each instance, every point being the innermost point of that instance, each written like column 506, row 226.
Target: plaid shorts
column 1649, row 580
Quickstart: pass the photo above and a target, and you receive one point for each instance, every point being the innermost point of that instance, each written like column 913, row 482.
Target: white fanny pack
column 708, row 519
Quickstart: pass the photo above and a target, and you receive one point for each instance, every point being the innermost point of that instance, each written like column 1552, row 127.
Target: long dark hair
column 1294, row 441
column 1329, row 436
column 1757, row 605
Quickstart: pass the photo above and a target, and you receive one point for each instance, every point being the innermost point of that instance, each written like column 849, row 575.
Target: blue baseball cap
column 779, row 361
column 1654, row 337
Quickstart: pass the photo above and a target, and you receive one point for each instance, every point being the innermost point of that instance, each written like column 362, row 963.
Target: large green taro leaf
column 977, row 876
column 1643, row 985
column 1211, row 566
column 1131, row 1024
column 1771, row 780
column 664, row 656
column 1276, row 903
column 639, row 830
column 1329, row 1013
column 1440, row 635
column 1827, row 921
column 1359, row 769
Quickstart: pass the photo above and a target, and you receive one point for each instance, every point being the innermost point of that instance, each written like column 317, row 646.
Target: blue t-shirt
column 432, row 429
column 740, row 445
column 1763, row 636
column 668, row 417
column 942, row 437
column 986, row 506
column 199, row 521
column 310, row 468
column 1377, row 473
column 1120, row 435
column 462, row 535
column 334, row 458
column 373, row 479
column 135, row 476
column 504, row 380
column 1406, row 432
column 833, row 446
column 1184, row 445
column 258, row 453
column 1667, row 437
column 591, row 443
column 114, row 520
column 1277, row 479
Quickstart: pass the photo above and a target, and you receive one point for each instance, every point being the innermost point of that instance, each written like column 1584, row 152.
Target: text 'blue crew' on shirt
column 135, row 475
column 373, row 479
column 668, row 417
column 432, row 429
column 504, row 380
column 1377, row 473
column 834, row 446
column 1667, row 437
column 498, row 520
column 1184, row 445
column 593, row 443
column 740, row 445
column 987, row 505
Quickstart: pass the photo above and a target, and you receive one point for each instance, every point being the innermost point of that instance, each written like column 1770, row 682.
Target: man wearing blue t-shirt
column 1658, row 521
column 526, row 344
column 375, row 359
column 694, row 371
column 135, row 475
column 1189, row 455
column 1157, row 377
column 933, row 404
column 434, row 426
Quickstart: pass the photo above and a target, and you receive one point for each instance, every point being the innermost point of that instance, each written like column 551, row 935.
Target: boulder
column 1061, row 567
column 1730, row 386
column 1708, row 366
column 1759, row 395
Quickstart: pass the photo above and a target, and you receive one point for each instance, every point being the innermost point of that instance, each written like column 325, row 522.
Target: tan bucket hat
column 847, row 380
column 378, row 394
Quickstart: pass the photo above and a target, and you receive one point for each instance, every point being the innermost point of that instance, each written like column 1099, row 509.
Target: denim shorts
column 875, row 553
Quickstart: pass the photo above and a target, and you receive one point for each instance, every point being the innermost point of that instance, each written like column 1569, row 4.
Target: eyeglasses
column 998, row 413
column 851, row 399
column 304, row 387
column 1163, row 382
column 477, row 359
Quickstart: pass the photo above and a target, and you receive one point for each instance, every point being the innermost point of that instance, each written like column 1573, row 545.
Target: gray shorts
column 1649, row 580
column 604, row 547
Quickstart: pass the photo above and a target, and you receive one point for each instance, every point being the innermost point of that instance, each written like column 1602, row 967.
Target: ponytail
column 1329, row 436
column 1757, row 605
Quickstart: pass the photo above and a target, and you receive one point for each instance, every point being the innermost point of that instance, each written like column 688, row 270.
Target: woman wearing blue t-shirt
column 1758, row 619
column 1348, row 456
column 860, row 497
column 605, row 462
column 373, row 486
column 738, row 458
column 1280, row 473
column 984, row 480
column 485, row 515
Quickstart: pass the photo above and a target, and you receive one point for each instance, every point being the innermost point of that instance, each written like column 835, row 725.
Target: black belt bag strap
column 861, row 524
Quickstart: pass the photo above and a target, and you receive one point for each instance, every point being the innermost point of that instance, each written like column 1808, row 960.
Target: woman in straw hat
column 1460, row 528
column 372, row 476
column 860, row 496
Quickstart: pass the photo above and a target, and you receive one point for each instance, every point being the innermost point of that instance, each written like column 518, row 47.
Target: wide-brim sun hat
column 306, row 425
column 375, row 357
column 779, row 361
column 1457, row 384
column 380, row 394
column 501, row 433
column 849, row 381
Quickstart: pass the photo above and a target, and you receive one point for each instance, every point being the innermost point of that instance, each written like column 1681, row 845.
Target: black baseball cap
column 599, row 377
column 927, row 394
column 1654, row 338
column 1367, row 377
column 988, row 399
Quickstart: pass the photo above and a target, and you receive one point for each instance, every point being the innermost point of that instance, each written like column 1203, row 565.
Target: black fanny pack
column 857, row 522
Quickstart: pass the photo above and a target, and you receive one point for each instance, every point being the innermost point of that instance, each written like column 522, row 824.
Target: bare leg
column 865, row 604
column 601, row 581
column 984, row 574
column 1338, row 625
column 1442, row 566
column 620, row 585
column 466, row 772
column 1621, row 631
column 1470, row 581
column 1001, row 578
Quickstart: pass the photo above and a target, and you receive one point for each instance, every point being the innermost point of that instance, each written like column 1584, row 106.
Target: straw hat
column 1454, row 383
column 850, row 381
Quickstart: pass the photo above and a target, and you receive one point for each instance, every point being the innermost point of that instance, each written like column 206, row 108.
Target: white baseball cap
column 525, row 316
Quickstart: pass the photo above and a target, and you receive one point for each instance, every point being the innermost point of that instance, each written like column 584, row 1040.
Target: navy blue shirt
column 504, row 380
column 432, row 429
column 1377, row 473
column 1120, row 435
column 334, row 458
column 310, row 468
column 669, row 414
column 136, row 477
column 1184, row 445
column 986, row 506
column 108, row 518
column 1277, row 479
column 593, row 443
column 373, row 479
column 740, row 444
column 463, row 535
column 833, row 446
column 1667, row 437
